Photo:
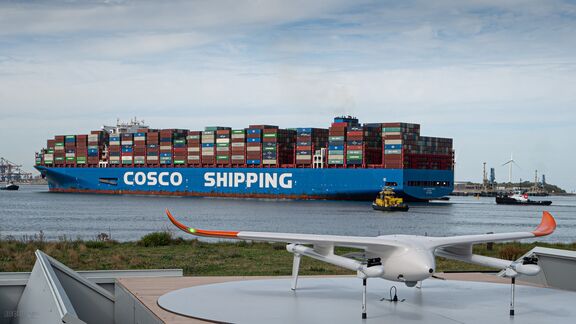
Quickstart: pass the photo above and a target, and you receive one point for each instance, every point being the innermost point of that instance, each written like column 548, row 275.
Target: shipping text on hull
column 346, row 161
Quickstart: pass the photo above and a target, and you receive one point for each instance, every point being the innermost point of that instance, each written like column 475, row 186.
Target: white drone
column 402, row 258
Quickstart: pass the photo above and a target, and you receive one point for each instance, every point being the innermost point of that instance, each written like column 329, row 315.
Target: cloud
column 478, row 71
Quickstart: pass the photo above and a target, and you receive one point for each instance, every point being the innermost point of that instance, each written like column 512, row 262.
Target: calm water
column 33, row 209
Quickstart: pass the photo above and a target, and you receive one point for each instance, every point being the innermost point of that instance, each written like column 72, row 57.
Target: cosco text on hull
column 264, row 180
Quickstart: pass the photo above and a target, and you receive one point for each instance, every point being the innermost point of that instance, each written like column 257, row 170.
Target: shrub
column 511, row 252
column 156, row 239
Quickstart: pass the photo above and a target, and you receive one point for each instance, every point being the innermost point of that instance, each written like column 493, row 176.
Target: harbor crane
column 10, row 171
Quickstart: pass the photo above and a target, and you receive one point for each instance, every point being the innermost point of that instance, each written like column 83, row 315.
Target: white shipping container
column 114, row 158
column 166, row 147
column 238, row 144
column 114, row 143
column 253, row 149
column 222, row 149
column 392, row 142
column 92, row 138
column 238, row 136
column 70, row 154
column 223, row 140
column 193, row 149
column 48, row 156
column 304, row 157
column 194, row 157
column 152, row 158
column 208, row 153
column 268, row 161
column 126, row 158
column 335, row 157
column 127, row 142
column 238, row 157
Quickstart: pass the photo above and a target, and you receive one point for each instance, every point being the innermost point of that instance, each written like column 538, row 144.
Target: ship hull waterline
column 274, row 183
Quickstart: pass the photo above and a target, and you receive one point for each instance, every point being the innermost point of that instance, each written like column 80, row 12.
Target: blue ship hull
column 291, row 183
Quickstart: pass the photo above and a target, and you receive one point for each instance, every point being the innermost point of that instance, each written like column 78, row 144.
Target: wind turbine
column 510, row 162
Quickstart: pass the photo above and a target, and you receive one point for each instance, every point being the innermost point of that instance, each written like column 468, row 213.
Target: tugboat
column 10, row 186
column 387, row 201
column 519, row 198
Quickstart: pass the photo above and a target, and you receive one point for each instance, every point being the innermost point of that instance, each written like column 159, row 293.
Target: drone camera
column 530, row 260
column 373, row 262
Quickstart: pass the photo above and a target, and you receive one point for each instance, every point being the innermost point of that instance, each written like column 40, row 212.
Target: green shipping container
column 59, row 144
column 222, row 144
column 71, row 159
column 238, row 131
column 354, row 157
column 179, row 161
column 390, row 129
column 335, row 161
column 222, row 157
column 271, row 135
column 179, row 141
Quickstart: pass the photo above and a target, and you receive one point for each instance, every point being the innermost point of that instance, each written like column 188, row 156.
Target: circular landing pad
column 339, row 300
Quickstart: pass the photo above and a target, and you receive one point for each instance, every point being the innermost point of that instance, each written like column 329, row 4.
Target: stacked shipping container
column 194, row 144
column 253, row 146
column 349, row 144
column 238, row 148
column 153, row 147
column 308, row 140
column 223, row 137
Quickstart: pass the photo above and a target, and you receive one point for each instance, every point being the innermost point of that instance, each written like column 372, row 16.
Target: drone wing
column 460, row 247
column 319, row 240
column 546, row 227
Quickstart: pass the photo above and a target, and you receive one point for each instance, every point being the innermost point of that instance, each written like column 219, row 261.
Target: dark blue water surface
column 33, row 209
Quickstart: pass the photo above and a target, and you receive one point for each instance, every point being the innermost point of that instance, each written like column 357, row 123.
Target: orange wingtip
column 547, row 225
column 199, row 232
column 176, row 223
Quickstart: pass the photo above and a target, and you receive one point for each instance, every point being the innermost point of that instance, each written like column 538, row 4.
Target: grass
column 161, row 251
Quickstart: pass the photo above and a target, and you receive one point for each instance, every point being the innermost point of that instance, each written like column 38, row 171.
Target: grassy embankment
column 161, row 251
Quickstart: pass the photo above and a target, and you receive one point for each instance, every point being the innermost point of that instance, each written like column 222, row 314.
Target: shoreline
column 160, row 250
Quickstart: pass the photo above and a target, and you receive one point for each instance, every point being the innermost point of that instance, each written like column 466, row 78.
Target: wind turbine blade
column 516, row 164
column 507, row 163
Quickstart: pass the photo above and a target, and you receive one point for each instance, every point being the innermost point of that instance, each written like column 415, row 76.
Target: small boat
column 387, row 201
column 519, row 198
column 10, row 186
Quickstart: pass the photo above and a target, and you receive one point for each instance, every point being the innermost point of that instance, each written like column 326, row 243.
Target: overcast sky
column 497, row 76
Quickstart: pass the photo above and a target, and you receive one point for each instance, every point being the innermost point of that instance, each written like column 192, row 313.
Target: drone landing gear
column 364, row 298
column 295, row 269
column 512, row 288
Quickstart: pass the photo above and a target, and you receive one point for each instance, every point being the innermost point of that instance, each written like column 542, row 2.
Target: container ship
column 346, row 161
